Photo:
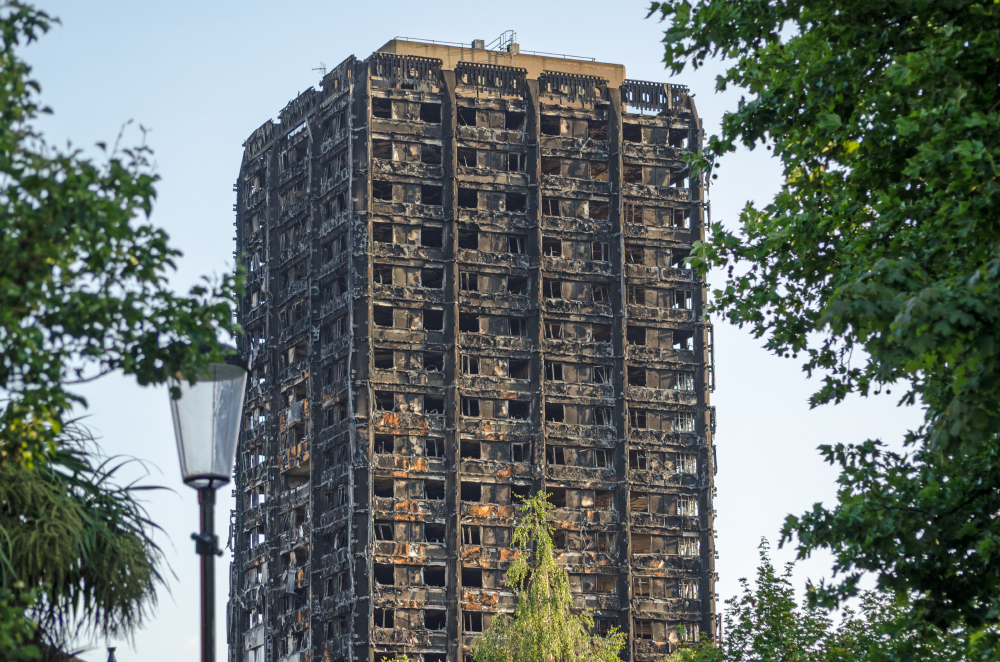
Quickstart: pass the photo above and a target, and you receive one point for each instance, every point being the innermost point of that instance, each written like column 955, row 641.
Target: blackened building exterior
column 465, row 283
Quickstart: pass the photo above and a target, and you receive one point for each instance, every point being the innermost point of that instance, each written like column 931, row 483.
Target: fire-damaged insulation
column 466, row 283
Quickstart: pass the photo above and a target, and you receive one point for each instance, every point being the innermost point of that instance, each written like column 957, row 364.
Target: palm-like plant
column 80, row 542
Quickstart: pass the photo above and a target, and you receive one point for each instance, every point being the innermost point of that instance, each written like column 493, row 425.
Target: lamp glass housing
column 207, row 424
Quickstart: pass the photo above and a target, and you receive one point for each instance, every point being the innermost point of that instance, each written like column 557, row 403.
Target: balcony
column 580, row 267
column 483, row 134
column 661, row 395
column 500, row 343
column 485, row 599
column 403, row 129
column 661, row 521
column 411, row 639
column 592, row 476
column 646, row 232
column 293, row 498
column 573, row 147
column 574, row 516
column 407, row 169
column 640, row 273
column 578, row 348
column 647, row 651
column 298, row 412
column 407, row 420
column 655, row 314
column 489, row 428
column 330, row 224
column 494, row 300
column 662, row 355
column 503, row 387
column 573, row 307
column 603, row 435
column 591, row 186
column 599, row 229
column 505, row 260
column 681, row 195
column 297, row 537
column 482, row 512
column 466, row 174
column 417, row 509
column 411, row 596
column 597, row 393
column 407, row 209
column 401, row 293
column 666, row 562
column 604, row 602
column 410, row 552
column 408, row 252
column 407, row 464
column 497, row 469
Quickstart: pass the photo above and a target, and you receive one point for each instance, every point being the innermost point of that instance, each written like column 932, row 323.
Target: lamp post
column 207, row 426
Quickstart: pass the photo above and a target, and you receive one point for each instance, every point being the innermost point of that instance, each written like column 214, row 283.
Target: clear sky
column 203, row 75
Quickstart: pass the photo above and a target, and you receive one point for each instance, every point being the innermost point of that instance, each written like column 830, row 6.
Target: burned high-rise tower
column 466, row 283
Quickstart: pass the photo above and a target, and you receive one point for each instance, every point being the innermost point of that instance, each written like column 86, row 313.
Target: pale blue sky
column 203, row 75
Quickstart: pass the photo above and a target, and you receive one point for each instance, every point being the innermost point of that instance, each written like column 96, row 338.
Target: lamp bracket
column 206, row 544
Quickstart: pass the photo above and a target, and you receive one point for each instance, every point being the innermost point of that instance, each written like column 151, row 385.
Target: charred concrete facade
column 465, row 283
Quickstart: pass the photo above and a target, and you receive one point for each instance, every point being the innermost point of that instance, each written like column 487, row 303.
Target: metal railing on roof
column 523, row 52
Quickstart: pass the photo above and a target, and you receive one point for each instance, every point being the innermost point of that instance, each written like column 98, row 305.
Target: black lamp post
column 207, row 426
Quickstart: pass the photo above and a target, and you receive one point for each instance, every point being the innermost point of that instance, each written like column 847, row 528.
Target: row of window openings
column 500, row 536
column 550, row 125
column 506, row 120
column 566, row 372
column 433, row 278
column 429, row 319
column 435, row 577
column 684, row 505
column 433, row 320
column 406, row 152
column 409, row 152
column 393, row 109
column 473, row 239
column 430, row 194
column 434, row 447
column 473, row 622
column 384, row 359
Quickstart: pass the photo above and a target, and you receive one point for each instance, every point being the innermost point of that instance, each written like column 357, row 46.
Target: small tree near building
column 544, row 627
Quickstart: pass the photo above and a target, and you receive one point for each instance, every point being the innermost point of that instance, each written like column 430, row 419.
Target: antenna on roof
column 321, row 68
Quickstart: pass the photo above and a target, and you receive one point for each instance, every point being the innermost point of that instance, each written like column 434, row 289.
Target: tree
column 766, row 622
column 544, row 627
column 83, row 292
column 876, row 262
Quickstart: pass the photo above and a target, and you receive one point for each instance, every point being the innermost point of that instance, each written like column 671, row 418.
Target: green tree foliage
column 83, row 275
column 83, row 292
column 544, row 627
column 877, row 263
column 766, row 622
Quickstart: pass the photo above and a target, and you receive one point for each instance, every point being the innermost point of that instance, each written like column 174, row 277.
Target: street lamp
column 207, row 426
